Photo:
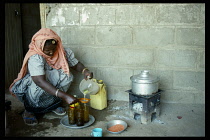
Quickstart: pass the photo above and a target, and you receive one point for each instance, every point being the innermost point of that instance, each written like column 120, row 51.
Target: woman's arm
column 80, row 67
column 49, row 88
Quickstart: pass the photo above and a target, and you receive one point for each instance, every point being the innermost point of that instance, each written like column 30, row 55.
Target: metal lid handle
column 145, row 73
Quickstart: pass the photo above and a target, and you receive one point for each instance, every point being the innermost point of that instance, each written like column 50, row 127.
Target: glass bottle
column 79, row 115
column 86, row 113
column 71, row 115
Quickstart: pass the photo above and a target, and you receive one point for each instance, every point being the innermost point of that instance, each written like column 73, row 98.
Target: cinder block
column 64, row 34
column 201, row 63
column 135, row 57
column 177, row 96
column 72, row 16
column 191, row 36
column 109, row 35
column 176, row 58
column 56, row 17
column 178, row 14
column 144, row 14
column 99, row 56
column 184, row 58
column 114, row 76
column 124, row 15
column 153, row 36
column 202, row 15
column 183, row 96
column 99, row 15
column 117, row 57
column 164, row 58
column 78, row 35
column 117, row 93
column 135, row 14
column 199, row 97
column 165, row 79
column 187, row 80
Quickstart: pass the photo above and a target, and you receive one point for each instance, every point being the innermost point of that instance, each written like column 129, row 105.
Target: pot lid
column 144, row 77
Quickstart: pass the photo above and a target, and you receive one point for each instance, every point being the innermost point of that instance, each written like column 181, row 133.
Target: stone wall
column 116, row 41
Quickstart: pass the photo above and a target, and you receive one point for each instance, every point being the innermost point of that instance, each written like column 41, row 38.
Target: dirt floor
column 185, row 120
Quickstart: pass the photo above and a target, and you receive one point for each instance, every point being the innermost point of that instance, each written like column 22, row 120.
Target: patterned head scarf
column 57, row 61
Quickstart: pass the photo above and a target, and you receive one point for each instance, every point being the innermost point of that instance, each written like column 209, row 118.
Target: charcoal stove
column 144, row 105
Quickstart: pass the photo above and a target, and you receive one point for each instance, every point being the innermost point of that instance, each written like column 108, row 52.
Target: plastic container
column 99, row 100
column 89, row 86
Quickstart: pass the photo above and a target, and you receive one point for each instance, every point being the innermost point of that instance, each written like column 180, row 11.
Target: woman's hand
column 88, row 74
column 81, row 68
column 69, row 99
column 49, row 88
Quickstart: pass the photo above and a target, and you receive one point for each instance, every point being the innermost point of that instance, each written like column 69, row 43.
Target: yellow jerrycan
column 99, row 100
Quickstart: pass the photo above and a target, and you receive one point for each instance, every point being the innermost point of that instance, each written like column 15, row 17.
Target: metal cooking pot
column 144, row 83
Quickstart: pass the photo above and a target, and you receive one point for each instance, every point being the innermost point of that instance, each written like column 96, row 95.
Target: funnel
column 84, row 100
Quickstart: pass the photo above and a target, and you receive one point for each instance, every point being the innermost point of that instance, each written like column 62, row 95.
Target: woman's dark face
column 49, row 49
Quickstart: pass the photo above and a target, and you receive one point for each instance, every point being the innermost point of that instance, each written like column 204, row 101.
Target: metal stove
column 144, row 105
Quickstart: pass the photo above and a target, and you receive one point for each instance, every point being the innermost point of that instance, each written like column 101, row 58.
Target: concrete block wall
column 116, row 41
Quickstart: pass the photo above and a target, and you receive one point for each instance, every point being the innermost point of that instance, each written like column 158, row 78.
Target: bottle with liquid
column 71, row 115
column 79, row 115
column 86, row 113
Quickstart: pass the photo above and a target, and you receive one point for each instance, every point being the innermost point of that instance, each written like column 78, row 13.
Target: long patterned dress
column 34, row 98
